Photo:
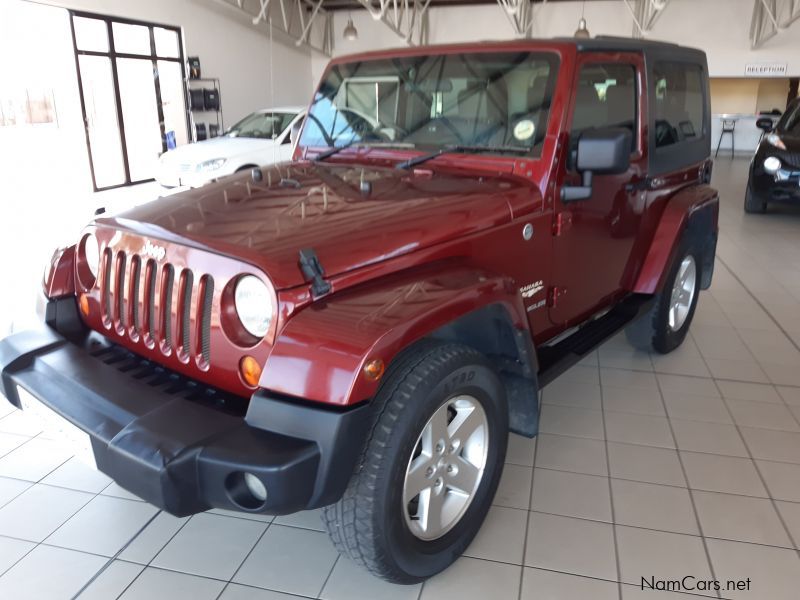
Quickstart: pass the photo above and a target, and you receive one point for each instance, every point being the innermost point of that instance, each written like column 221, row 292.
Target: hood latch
column 314, row 273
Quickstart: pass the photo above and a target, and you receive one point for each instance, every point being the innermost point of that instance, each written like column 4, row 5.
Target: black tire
column 652, row 332
column 367, row 523
column 753, row 203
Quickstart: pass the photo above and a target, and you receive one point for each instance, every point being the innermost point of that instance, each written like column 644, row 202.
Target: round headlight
column 91, row 252
column 253, row 305
column 772, row 165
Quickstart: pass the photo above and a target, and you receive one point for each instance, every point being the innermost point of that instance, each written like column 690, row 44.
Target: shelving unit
column 203, row 83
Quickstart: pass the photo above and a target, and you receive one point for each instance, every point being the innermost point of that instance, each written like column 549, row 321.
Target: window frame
column 628, row 59
column 674, row 157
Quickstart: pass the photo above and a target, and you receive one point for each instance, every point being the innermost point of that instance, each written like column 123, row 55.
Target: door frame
column 112, row 55
column 638, row 160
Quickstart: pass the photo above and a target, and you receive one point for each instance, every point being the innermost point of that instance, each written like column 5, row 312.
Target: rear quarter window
column 679, row 103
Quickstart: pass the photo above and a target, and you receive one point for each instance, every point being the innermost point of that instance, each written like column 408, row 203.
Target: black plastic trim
column 159, row 438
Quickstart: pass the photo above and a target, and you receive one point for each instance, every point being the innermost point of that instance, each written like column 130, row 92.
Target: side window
column 605, row 97
column 679, row 103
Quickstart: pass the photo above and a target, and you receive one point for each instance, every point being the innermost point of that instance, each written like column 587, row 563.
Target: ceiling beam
column 408, row 19
column 304, row 22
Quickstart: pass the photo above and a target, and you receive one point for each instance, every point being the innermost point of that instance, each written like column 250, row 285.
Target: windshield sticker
column 524, row 129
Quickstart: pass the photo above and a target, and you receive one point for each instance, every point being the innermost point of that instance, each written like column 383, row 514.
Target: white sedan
column 261, row 138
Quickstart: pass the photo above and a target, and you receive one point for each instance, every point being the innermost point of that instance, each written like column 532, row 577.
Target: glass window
column 679, row 103
column 261, row 125
column 499, row 101
column 91, row 34
column 166, row 43
column 605, row 97
column 131, row 39
column 790, row 121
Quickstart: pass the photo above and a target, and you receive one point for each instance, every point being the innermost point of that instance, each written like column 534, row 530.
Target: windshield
column 263, row 125
column 790, row 121
column 491, row 100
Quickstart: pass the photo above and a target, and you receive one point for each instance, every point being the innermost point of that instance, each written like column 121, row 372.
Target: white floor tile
column 538, row 584
column 103, row 526
column 502, row 536
column 740, row 518
column 349, row 581
column 190, row 551
column 157, row 583
column 112, row 581
column 288, row 559
column 11, row 550
column 473, row 579
column 51, row 573
column 579, row 455
column 571, row 545
column 645, row 553
column 39, row 511
column 571, row 494
column 76, row 475
column 774, row 573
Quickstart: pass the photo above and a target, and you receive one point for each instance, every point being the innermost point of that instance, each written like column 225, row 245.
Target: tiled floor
column 647, row 466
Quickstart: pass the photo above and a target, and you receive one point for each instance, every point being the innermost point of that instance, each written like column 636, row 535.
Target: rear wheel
column 430, row 468
column 666, row 324
column 752, row 202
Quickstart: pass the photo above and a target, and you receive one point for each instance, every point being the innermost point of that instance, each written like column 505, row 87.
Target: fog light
column 772, row 165
column 255, row 487
column 250, row 371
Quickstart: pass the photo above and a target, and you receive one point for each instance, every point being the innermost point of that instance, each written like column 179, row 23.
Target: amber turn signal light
column 250, row 371
column 83, row 303
column 374, row 369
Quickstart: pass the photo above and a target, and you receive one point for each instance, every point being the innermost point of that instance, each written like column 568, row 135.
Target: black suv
column 775, row 168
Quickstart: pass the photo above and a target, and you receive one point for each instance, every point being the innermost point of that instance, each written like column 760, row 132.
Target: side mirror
column 600, row 152
column 765, row 124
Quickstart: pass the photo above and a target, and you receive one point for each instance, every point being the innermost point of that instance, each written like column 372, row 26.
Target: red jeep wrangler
column 360, row 329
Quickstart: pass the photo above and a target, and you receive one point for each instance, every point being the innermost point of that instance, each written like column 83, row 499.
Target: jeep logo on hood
column 153, row 251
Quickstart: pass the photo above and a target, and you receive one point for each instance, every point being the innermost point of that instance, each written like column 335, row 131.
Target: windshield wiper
column 331, row 151
column 407, row 164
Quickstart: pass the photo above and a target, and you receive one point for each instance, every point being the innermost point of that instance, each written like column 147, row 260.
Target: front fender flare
column 320, row 354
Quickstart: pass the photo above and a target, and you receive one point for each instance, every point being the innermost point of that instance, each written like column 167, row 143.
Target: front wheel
column 666, row 324
column 430, row 468
column 752, row 202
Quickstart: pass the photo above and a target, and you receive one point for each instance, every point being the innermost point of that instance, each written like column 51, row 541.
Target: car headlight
column 91, row 254
column 775, row 140
column 253, row 302
column 772, row 165
column 210, row 165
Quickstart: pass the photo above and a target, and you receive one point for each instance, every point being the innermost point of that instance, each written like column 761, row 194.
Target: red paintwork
column 422, row 249
column 59, row 277
column 672, row 222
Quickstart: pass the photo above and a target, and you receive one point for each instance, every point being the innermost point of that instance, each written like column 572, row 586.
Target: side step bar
column 555, row 359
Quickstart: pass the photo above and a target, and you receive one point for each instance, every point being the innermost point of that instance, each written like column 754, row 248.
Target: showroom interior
column 653, row 475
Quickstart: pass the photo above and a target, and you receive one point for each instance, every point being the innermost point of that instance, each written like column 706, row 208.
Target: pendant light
column 581, row 32
column 350, row 32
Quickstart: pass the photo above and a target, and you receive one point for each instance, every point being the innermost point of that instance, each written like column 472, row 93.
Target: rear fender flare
column 693, row 211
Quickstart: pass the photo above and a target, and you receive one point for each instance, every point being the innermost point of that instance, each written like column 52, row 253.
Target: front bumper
column 784, row 186
column 179, row 446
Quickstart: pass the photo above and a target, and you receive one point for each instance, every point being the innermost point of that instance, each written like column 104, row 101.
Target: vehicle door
column 594, row 237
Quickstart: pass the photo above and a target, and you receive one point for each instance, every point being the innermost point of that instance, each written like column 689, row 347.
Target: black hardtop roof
column 610, row 43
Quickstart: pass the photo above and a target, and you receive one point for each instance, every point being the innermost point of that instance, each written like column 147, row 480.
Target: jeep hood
column 351, row 216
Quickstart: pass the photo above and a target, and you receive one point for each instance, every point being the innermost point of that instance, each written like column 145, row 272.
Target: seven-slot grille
column 167, row 308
